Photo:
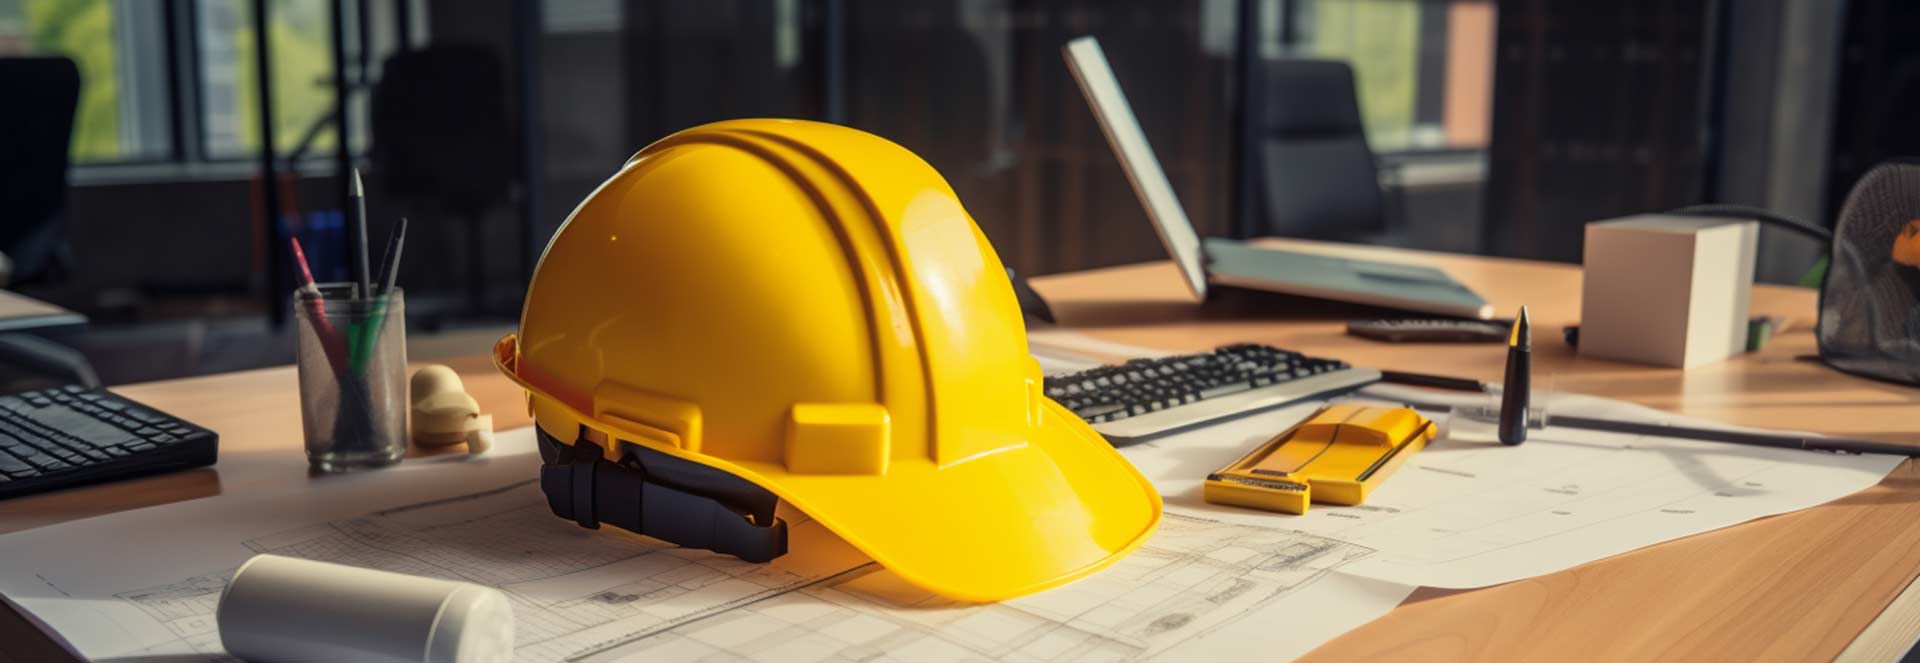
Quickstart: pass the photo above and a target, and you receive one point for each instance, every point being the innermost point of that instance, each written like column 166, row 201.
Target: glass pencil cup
column 352, row 357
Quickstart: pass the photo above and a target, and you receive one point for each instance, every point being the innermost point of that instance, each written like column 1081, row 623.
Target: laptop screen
column 1090, row 70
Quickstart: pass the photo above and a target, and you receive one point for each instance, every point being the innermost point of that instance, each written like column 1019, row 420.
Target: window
column 123, row 95
column 138, row 70
column 301, row 36
column 1423, row 68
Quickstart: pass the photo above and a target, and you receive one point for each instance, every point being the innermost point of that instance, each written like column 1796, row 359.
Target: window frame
column 1283, row 25
column 186, row 156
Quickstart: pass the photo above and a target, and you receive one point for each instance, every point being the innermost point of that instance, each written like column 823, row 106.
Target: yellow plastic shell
column 808, row 307
column 1337, row 456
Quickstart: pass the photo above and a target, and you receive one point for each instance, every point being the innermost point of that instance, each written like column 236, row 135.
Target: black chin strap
column 583, row 486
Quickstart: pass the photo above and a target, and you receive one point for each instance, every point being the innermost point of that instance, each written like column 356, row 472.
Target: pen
column 361, row 270
column 390, row 260
column 1434, row 381
column 368, row 333
column 1517, row 388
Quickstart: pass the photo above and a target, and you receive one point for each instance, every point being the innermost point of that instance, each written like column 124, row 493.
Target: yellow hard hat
column 763, row 310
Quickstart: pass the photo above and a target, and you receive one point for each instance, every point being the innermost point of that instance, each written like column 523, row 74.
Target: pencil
column 1834, row 444
column 330, row 339
column 1433, row 381
column 362, row 271
column 1650, row 429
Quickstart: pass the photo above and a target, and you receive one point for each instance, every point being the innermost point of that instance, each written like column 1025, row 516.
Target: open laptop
column 1233, row 263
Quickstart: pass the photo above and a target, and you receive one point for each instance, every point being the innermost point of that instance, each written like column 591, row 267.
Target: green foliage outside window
column 1382, row 41
column 83, row 30
column 302, row 74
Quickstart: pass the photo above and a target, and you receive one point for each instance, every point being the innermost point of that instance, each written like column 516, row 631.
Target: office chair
column 42, row 95
column 441, row 137
column 30, row 362
column 1317, row 175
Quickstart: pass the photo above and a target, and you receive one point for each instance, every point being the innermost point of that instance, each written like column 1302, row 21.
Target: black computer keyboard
column 69, row 436
column 1147, row 398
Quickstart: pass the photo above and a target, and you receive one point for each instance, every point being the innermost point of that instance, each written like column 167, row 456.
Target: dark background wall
column 1599, row 110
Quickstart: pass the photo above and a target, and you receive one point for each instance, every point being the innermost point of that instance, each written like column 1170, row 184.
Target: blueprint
column 607, row 595
column 1213, row 582
column 573, row 590
column 1195, row 576
column 580, row 595
column 1471, row 512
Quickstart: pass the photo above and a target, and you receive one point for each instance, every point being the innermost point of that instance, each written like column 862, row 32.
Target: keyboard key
column 10, row 465
column 145, row 415
column 162, row 439
column 81, row 429
column 1222, row 390
column 143, row 446
column 41, row 461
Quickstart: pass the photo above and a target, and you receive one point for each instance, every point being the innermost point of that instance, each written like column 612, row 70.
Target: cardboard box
column 1667, row 290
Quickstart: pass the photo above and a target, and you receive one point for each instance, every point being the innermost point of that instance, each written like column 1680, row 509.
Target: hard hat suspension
column 656, row 495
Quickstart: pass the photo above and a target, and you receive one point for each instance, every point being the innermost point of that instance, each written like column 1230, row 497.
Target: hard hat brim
column 1001, row 525
column 1035, row 514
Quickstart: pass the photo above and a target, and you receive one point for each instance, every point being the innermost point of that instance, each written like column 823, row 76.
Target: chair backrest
column 1317, row 174
column 440, row 129
column 41, row 96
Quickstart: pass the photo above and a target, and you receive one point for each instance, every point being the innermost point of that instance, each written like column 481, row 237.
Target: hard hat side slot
column 648, row 417
column 837, row 438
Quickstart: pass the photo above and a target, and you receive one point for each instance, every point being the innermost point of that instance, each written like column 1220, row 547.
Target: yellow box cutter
column 1336, row 456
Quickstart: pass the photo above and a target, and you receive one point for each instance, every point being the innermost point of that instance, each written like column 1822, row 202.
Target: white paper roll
column 286, row 609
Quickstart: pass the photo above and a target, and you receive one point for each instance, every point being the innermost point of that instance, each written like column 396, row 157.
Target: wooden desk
column 20, row 313
column 1799, row 586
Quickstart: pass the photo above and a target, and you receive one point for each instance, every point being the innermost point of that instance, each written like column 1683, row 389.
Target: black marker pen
column 1518, row 387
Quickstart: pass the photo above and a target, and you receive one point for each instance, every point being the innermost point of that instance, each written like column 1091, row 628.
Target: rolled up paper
column 287, row 609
